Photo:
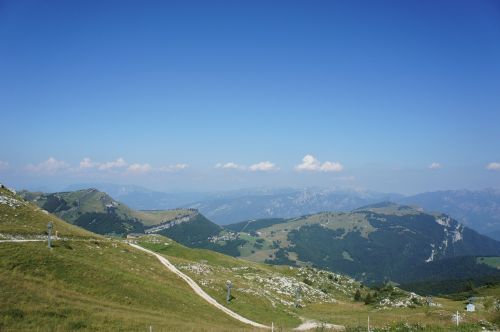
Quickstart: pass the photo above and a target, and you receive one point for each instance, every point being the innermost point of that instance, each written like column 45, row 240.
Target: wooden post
column 228, row 295
column 49, row 229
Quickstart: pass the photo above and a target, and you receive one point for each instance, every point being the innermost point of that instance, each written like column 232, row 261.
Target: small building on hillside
column 470, row 307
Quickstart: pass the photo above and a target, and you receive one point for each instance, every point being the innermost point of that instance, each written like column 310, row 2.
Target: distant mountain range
column 479, row 210
column 285, row 203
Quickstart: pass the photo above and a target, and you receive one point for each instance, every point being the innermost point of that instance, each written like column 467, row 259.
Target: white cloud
column 330, row 166
column 118, row 163
column 4, row 165
column 263, row 166
column 49, row 166
column 139, row 168
column 310, row 163
column 229, row 165
column 87, row 163
column 493, row 166
column 172, row 168
column 435, row 165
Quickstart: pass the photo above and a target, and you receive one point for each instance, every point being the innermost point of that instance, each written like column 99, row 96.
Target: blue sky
column 215, row 95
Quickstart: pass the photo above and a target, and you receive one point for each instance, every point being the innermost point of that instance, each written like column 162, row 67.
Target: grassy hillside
column 267, row 292
column 96, row 286
column 98, row 212
column 89, row 283
column 20, row 218
column 373, row 244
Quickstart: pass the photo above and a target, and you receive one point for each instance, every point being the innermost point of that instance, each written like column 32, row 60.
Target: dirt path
column 197, row 289
column 309, row 325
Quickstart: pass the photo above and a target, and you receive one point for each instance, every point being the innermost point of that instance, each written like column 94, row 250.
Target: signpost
column 456, row 318
column 49, row 229
column 229, row 285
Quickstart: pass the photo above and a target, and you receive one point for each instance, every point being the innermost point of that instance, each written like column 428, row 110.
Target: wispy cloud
column 229, row 165
column 310, row 163
column 139, row 168
column 49, row 166
column 87, row 163
column 494, row 166
column 263, row 166
column 121, row 164
column 118, row 163
column 435, row 165
column 173, row 168
column 3, row 165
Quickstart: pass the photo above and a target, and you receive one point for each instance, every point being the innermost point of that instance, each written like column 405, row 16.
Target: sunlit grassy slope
column 89, row 283
column 256, row 298
column 97, row 286
column 18, row 217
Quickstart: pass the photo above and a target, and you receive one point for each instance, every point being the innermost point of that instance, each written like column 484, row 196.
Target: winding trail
column 307, row 325
column 197, row 289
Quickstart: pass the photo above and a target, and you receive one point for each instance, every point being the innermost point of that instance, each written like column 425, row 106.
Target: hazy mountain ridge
column 141, row 198
column 288, row 204
column 374, row 243
column 478, row 209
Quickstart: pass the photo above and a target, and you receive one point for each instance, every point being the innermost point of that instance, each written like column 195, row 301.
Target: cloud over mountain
column 49, row 166
column 173, row 168
column 263, row 166
column 229, row 165
column 310, row 163
column 139, row 168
